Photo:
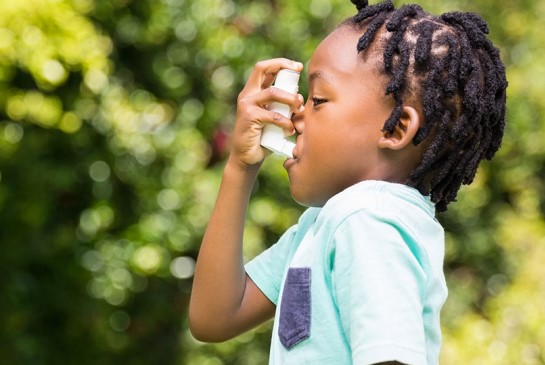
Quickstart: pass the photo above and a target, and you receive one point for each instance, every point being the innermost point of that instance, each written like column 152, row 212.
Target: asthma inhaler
column 273, row 137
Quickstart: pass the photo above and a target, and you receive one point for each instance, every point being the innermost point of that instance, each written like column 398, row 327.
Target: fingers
column 273, row 94
column 264, row 72
column 264, row 116
column 258, row 88
column 253, row 113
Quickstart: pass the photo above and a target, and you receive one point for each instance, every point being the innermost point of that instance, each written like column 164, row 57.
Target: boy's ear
column 404, row 131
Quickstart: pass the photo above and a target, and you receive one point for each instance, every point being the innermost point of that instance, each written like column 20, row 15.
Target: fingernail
column 301, row 109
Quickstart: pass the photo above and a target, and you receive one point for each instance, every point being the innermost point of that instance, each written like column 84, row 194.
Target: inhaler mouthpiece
column 273, row 137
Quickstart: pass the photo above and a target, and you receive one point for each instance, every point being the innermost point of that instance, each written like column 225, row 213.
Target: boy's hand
column 252, row 114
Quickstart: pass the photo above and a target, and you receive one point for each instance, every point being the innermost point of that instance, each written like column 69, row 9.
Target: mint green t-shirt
column 358, row 281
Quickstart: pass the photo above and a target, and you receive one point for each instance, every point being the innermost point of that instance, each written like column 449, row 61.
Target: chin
column 298, row 196
column 302, row 198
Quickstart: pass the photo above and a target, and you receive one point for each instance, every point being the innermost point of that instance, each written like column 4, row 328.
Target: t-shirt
column 358, row 281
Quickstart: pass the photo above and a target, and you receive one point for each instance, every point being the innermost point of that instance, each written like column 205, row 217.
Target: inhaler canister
column 273, row 137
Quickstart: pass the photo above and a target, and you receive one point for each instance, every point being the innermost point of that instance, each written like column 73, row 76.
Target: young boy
column 402, row 107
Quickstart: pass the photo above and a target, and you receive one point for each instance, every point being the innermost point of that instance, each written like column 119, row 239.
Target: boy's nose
column 298, row 121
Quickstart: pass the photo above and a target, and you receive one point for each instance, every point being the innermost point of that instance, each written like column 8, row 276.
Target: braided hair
column 448, row 63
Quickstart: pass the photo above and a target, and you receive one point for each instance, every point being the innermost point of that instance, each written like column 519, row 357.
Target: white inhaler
column 273, row 137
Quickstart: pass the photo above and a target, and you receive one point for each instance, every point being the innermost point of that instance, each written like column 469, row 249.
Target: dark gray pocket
column 294, row 325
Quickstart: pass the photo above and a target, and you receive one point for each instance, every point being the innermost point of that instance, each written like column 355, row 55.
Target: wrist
column 235, row 166
column 239, row 178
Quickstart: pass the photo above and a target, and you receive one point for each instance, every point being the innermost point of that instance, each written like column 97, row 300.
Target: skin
column 339, row 143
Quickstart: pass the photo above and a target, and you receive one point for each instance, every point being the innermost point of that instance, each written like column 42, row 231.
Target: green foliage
column 114, row 121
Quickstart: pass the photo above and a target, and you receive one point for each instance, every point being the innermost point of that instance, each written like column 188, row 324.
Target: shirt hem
column 388, row 353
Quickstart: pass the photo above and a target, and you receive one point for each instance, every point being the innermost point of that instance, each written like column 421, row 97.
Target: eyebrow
column 319, row 75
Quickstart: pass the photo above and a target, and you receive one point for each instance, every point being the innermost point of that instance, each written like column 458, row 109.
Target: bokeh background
column 114, row 123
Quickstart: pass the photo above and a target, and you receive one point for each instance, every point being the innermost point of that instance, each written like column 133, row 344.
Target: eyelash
column 318, row 101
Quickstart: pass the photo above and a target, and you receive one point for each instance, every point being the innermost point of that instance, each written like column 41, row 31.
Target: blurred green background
column 113, row 131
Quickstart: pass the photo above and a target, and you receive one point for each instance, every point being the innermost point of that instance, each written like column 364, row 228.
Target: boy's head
column 448, row 68
column 430, row 91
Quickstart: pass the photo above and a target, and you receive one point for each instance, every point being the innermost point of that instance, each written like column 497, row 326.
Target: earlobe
column 404, row 131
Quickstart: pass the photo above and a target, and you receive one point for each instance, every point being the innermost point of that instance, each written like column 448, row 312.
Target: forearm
column 224, row 301
column 220, row 279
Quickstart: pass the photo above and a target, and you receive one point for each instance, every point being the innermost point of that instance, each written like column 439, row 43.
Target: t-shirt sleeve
column 267, row 269
column 378, row 281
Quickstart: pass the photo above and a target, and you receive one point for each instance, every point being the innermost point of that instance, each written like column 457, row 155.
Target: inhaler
column 273, row 137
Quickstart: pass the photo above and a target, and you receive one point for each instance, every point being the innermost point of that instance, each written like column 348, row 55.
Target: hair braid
column 365, row 11
column 423, row 45
column 449, row 65
column 372, row 30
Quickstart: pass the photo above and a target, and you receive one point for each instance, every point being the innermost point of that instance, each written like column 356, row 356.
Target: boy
column 402, row 107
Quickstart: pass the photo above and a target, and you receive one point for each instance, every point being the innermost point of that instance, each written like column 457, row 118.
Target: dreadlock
column 450, row 65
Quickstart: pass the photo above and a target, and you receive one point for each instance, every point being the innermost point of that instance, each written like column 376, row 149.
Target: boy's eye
column 318, row 101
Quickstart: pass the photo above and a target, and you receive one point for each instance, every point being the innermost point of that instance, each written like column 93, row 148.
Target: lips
column 290, row 162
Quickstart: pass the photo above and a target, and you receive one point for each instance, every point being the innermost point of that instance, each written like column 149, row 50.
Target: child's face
column 341, row 124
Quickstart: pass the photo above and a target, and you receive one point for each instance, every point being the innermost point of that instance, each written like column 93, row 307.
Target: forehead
column 337, row 55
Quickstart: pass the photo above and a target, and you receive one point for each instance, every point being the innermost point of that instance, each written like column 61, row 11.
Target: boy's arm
column 224, row 301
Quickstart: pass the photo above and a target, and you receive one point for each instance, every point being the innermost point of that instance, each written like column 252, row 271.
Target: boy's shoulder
column 379, row 206
column 376, row 197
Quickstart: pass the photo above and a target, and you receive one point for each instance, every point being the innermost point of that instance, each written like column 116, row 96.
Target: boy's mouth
column 291, row 161
column 294, row 152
